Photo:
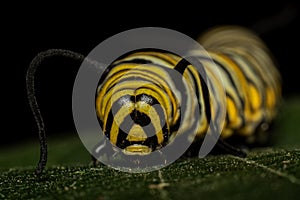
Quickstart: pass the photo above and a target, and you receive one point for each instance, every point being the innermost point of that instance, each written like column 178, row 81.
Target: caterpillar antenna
column 37, row 60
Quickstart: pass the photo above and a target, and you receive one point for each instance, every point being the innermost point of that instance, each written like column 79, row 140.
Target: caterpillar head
column 136, row 108
column 145, row 99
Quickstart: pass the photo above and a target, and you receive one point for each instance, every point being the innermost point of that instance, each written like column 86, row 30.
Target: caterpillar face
column 136, row 104
column 139, row 124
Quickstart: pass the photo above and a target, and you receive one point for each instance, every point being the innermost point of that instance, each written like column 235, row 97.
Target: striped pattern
column 251, row 79
column 140, row 104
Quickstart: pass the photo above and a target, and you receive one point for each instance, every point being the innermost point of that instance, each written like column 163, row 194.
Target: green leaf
column 272, row 172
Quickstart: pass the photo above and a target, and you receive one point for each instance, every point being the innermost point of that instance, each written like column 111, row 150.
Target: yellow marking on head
column 118, row 119
column 136, row 134
column 137, row 149
column 104, row 104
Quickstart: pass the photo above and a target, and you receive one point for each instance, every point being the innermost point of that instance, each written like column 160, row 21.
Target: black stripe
column 153, row 101
column 134, row 61
column 181, row 65
column 166, row 133
column 143, row 50
column 151, row 142
column 140, row 118
column 206, row 97
column 121, row 140
column 179, row 85
column 109, row 122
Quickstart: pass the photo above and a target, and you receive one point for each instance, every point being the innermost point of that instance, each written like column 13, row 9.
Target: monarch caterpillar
column 137, row 91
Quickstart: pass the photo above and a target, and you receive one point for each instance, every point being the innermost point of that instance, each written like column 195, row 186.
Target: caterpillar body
column 138, row 91
column 141, row 106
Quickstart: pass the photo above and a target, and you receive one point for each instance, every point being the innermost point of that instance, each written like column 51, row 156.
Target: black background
column 27, row 30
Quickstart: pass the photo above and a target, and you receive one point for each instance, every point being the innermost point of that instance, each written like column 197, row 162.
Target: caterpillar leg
column 221, row 147
column 100, row 150
column 230, row 149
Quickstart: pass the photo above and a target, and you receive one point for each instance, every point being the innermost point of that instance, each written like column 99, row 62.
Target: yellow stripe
column 239, row 81
column 129, row 88
column 118, row 119
column 151, row 80
column 141, row 73
column 255, row 97
column 233, row 114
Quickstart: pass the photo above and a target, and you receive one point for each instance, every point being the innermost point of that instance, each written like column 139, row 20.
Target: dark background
column 28, row 31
